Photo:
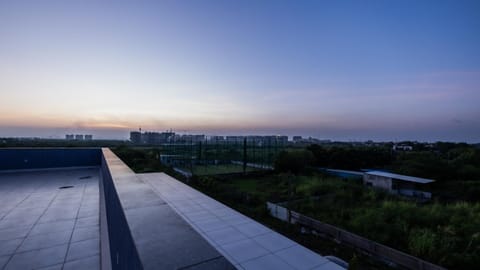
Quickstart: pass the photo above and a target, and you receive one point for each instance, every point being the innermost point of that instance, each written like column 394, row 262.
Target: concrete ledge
column 123, row 251
column 105, row 255
column 145, row 233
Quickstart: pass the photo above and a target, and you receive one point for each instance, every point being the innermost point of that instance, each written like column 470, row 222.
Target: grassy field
column 217, row 169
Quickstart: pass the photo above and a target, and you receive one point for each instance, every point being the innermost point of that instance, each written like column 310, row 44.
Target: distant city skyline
column 340, row 70
column 117, row 134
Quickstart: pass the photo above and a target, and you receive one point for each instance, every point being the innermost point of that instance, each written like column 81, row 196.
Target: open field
column 217, row 169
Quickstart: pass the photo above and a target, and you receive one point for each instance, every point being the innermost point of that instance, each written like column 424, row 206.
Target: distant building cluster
column 309, row 140
column 259, row 140
column 155, row 138
column 78, row 137
column 138, row 137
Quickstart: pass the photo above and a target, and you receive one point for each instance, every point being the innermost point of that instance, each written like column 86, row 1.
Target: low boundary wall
column 351, row 239
column 123, row 252
column 46, row 158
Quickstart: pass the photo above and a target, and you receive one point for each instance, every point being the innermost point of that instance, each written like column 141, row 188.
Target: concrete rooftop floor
column 43, row 226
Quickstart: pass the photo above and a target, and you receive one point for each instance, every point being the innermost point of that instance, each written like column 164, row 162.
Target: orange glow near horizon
column 67, row 67
column 132, row 122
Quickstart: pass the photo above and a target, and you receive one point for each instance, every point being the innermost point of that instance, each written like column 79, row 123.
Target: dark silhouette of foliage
column 294, row 161
column 352, row 158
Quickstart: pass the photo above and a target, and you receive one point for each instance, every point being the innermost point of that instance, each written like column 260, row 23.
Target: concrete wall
column 278, row 211
column 122, row 249
column 145, row 232
column 415, row 193
column 42, row 158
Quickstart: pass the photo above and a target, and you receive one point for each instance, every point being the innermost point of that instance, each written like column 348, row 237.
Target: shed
column 399, row 184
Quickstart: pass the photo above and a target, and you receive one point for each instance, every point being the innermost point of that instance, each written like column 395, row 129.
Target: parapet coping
column 162, row 238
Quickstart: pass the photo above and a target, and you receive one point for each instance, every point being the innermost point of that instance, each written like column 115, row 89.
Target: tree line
column 442, row 161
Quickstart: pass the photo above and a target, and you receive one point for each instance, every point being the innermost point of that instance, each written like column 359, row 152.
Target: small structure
column 399, row 184
column 402, row 147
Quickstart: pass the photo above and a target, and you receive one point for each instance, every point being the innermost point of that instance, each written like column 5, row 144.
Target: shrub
column 421, row 242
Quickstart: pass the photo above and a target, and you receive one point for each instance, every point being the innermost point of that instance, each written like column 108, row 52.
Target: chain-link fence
column 215, row 156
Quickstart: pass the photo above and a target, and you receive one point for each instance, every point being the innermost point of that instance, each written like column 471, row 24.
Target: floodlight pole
column 245, row 155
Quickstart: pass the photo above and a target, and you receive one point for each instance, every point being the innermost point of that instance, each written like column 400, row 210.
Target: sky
column 341, row 70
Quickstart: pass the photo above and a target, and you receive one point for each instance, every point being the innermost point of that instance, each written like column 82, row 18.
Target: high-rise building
column 136, row 137
column 154, row 138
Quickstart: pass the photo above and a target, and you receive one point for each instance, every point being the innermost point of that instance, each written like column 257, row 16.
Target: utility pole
column 191, row 155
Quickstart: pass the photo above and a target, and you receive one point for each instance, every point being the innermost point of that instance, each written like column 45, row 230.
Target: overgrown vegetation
column 294, row 162
column 445, row 231
column 440, row 161
column 209, row 169
column 351, row 158
column 454, row 166
column 249, row 195
column 445, row 234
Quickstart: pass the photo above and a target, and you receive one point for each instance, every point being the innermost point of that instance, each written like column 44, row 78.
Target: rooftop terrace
column 85, row 209
column 43, row 224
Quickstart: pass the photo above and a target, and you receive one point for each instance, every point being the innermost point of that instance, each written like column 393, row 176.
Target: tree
column 293, row 162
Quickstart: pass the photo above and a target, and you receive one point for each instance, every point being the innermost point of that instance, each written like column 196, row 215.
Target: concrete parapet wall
column 42, row 158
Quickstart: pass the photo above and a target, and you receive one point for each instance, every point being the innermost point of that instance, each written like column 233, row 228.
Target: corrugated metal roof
column 345, row 171
column 401, row 177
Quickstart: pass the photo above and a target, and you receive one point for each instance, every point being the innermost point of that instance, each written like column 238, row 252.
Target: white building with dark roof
column 399, row 184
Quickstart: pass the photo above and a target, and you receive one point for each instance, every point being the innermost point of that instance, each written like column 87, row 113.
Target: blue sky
column 346, row 70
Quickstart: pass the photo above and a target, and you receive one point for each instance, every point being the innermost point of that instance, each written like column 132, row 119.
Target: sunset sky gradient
column 342, row 70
